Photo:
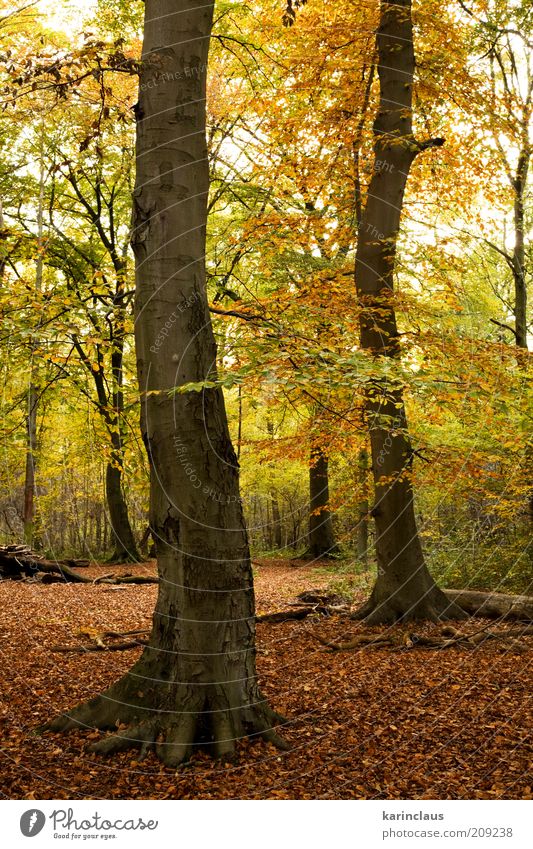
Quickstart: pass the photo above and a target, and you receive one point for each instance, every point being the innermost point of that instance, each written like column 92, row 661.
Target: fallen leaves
column 376, row 724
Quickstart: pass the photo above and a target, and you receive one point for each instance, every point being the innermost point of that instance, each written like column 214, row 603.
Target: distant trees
column 90, row 223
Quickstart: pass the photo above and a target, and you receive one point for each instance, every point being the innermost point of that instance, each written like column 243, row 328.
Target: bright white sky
column 66, row 15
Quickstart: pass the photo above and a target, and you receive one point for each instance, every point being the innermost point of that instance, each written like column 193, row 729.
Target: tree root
column 432, row 606
column 172, row 720
column 98, row 637
column 97, row 646
column 287, row 615
column 98, row 643
column 449, row 637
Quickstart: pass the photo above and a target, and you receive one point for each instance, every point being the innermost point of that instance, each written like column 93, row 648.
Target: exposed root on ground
column 448, row 638
column 171, row 719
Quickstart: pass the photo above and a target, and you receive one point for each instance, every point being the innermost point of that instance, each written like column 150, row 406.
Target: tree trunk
column 33, row 392
column 362, row 520
column 519, row 185
column 195, row 683
column 122, row 539
column 519, row 257
column 111, row 410
column 321, row 537
column 125, row 548
column 31, row 451
column 276, row 534
column 277, row 530
column 404, row 589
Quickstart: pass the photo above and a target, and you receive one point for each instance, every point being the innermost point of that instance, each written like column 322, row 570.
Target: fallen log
column 19, row 561
column 134, row 579
column 68, row 574
column 493, row 605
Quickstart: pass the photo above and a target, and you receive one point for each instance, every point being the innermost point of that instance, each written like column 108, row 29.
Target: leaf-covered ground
column 371, row 724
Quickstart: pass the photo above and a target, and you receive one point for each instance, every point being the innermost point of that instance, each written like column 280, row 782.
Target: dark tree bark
column 124, row 545
column 31, row 453
column 519, row 255
column 361, row 529
column 277, row 528
column 195, row 683
column 125, row 548
column 518, row 263
column 321, row 536
column 33, row 392
column 110, row 405
column 404, row 588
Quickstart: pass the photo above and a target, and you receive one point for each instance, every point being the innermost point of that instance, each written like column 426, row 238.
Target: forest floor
column 365, row 724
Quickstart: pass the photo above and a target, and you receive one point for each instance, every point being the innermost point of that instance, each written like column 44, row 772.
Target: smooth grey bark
column 404, row 588
column 195, row 683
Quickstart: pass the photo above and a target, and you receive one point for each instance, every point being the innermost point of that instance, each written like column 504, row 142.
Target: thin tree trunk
column 112, row 413
column 276, row 522
column 519, row 185
column 321, row 536
column 363, row 506
column 276, row 534
column 122, row 539
column 125, row 547
column 239, row 424
column 195, row 683
column 29, row 478
column 519, row 256
column 33, row 392
column 404, row 588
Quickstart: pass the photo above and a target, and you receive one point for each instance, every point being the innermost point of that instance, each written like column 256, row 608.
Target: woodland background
column 290, row 119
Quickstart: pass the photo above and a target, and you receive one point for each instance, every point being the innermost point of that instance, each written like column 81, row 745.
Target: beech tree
column 195, row 682
column 404, row 588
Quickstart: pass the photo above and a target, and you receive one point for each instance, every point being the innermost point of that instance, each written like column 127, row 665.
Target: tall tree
column 195, row 682
column 404, row 588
